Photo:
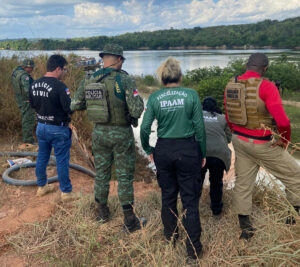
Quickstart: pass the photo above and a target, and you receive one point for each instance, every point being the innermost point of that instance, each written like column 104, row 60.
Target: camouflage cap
column 258, row 60
column 112, row 49
column 28, row 63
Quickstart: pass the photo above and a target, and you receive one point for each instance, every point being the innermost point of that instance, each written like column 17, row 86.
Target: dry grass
column 10, row 117
column 72, row 237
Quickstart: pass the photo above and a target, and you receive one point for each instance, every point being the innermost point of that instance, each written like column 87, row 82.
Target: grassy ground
column 294, row 115
column 72, row 237
column 291, row 95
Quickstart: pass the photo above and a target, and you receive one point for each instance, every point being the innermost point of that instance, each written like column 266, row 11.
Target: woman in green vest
column 179, row 150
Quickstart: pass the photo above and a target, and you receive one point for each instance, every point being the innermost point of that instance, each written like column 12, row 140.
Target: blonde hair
column 169, row 71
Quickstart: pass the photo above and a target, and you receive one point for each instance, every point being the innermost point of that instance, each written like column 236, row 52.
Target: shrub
column 288, row 73
column 149, row 80
column 212, row 81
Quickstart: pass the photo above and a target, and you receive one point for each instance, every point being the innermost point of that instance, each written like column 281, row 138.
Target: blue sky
column 75, row 18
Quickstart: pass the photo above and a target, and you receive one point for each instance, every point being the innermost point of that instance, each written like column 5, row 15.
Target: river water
column 146, row 62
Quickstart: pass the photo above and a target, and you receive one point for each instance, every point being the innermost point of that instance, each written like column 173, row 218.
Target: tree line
column 273, row 33
column 212, row 81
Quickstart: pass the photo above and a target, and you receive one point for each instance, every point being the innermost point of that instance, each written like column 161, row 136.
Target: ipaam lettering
column 171, row 103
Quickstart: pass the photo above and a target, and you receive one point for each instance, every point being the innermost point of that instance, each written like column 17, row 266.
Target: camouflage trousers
column 28, row 121
column 114, row 144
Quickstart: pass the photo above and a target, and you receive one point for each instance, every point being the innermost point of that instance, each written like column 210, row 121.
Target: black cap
column 258, row 60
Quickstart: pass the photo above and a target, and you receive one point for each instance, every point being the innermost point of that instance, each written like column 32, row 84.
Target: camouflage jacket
column 124, row 89
column 21, row 82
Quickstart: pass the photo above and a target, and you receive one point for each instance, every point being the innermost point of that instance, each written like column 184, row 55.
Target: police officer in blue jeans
column 51, row 100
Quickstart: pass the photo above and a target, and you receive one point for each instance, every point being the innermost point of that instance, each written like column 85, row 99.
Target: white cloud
column 39, row 2
column 101, row 15
column 208, row 12
column 90, row 17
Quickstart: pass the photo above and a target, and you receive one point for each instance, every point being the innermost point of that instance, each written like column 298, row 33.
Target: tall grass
column 10, row 117
column 72, row 237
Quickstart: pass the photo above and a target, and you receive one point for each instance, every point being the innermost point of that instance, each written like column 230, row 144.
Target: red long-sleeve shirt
column 268, row 93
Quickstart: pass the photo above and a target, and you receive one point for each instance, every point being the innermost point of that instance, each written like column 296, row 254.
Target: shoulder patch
column 135, row 92
column 67, row 91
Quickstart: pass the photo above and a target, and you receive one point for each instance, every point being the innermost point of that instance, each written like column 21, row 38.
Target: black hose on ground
column 12, row 181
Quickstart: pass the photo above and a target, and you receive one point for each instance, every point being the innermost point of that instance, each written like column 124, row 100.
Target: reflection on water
column 146, row 62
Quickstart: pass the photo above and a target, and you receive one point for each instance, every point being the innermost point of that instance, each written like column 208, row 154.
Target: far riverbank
column 145, row 62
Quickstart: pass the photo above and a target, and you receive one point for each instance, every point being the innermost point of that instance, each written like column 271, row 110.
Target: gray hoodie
column 218, row 136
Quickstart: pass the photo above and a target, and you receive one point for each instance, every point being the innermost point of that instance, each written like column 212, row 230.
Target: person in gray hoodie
column 218, row 154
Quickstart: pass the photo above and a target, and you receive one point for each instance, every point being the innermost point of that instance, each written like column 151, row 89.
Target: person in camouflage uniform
column 113, row 104
column 21, row 81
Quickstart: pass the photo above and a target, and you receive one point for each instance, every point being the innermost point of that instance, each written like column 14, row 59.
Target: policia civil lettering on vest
column 21, row 81
column 112, row 102
column 253, row 106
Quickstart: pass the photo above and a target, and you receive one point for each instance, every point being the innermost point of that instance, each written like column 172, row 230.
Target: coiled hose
column 52, row 162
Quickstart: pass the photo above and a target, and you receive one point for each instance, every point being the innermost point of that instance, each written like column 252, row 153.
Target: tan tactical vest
column 244, row 106
column 103, row 106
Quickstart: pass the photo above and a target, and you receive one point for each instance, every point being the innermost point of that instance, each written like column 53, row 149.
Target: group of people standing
column 192, row 138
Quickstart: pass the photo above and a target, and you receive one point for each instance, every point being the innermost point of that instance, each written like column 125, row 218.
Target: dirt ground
column 20, row 207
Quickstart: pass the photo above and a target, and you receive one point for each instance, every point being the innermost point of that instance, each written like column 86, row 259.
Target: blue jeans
column 60, row 138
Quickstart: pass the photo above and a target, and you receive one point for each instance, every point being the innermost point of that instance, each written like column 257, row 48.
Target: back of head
column 210, row 105
column 257, row 61
column 169, row 71
column 112, row 49
column 56, row 61
column 28, row 63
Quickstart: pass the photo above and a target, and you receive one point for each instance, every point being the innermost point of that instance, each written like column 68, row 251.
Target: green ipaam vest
column 103, row 105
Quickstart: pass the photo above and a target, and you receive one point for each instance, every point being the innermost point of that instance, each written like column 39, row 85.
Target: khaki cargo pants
column 248, row 159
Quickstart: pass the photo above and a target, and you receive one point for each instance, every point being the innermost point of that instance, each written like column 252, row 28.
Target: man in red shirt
column 252, row 104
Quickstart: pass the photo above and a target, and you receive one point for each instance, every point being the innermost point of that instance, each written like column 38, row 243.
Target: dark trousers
column 178, row 163
column 216, row 169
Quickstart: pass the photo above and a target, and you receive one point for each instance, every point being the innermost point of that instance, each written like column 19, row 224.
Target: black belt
column 179, row 139
column 57, row 123
column 264, row 138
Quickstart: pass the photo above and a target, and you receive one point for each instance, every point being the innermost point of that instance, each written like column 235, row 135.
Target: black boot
column 131, row 222
column 246, row 226
column 103, row 213
column 173, row 238
column 291, row 219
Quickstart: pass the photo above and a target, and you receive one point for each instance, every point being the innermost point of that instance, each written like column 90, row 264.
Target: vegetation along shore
column 264, row 34
column 69, row 236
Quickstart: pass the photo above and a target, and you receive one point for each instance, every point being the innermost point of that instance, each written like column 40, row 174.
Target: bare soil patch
column 20, row 207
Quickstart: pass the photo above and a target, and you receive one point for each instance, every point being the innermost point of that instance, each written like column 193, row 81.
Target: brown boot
column 43, row 190
column 65, row 197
